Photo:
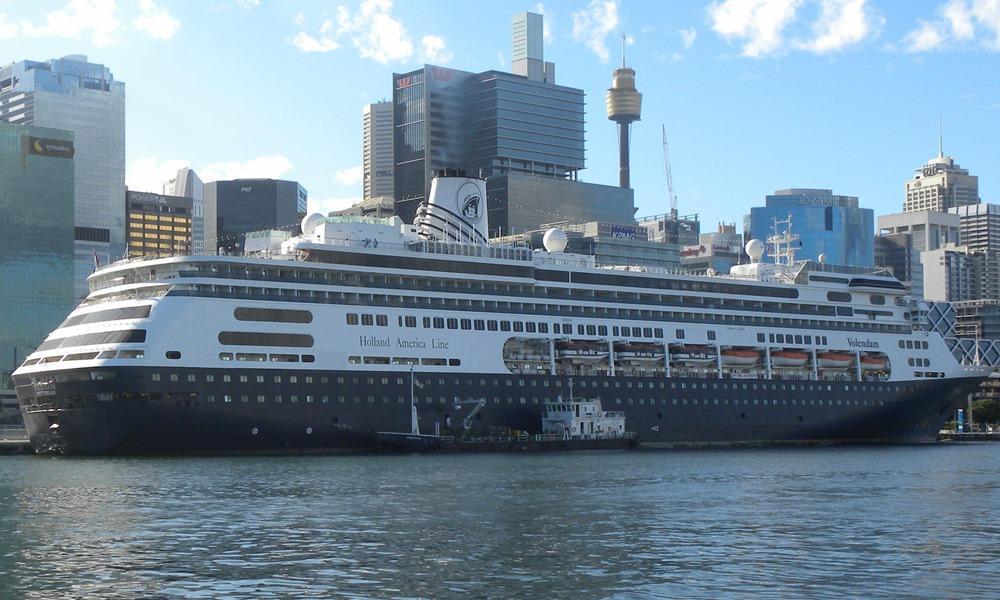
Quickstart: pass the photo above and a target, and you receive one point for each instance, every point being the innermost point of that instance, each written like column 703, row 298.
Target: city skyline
column 258, row 89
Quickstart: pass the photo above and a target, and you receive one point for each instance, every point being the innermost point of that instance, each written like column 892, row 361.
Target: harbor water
column 873, row 522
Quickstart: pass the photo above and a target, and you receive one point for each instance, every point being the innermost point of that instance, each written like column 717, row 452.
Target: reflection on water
column 871, row 522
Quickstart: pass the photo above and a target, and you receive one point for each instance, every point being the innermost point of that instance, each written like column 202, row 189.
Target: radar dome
column 710, row 272
column 821, row 258
column 555, row 240
column 755, row 249
column 310, row 222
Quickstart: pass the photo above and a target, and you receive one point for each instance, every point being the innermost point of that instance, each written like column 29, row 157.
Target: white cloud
column 155, row 21
column 262, row 167
column 688, row 36
column 959, row 21
column 149, row 174
column 757, row 24
column 375, row 32
column 349, row 176
column 548, row 16
column 434, row 50
column 593, row 24
column 328, row 205
column 78, row 18
column 8, row 30
column 247, row 4
column 926, row 37
column 324, row 43
column 841, row 24
column 501, row 59
column 300, row 20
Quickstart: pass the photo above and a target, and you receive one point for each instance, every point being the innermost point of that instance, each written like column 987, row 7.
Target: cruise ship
column 317, row 342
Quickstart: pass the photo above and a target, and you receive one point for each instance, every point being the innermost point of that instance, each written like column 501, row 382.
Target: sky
column 756, row 95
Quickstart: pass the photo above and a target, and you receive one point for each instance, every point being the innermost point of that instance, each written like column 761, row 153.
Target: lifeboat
column 789, row 359
column 582, row 352
column 739, row 357
column 873, row 363
column 834, row 360
column 693, row 355
column 638, row 352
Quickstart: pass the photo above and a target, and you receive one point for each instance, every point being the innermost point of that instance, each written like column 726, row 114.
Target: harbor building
column 522, row 134
column 941, row 185
column 717, row 251
column 36, row 241
column 903, row 237
column 234, row 208
column 669, row 228
column 828, row 224
column 376, row 150
column 73, row 94
column 158, row 224
column 187, row 184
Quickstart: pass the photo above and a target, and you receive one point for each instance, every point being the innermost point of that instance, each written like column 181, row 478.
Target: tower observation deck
column 624, row 105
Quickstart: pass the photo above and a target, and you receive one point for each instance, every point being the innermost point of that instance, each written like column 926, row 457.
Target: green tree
column 986, row 411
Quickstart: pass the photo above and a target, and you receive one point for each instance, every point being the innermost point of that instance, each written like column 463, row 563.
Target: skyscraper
column 376, row 133
column 36, row 239
column 158, row 224
column 187, row 184
column 73, row 94
column 826, row 223
column 528, row 48
column 234, row 208
column 941, row 185
column 904, row 237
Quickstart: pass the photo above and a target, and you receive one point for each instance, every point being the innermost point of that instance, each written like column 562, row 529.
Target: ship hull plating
column 158, row 410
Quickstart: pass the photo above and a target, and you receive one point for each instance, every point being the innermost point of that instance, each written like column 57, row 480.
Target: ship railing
column 13, row 433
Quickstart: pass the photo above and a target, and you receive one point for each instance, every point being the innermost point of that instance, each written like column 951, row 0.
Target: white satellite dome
column 555, row 240
column 821, row 258
column 755, row 249
column 310, row 222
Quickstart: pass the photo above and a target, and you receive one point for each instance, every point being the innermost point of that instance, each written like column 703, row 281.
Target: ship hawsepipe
column 309, row 342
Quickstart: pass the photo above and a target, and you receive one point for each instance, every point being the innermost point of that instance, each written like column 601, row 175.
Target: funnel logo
column 470, row 203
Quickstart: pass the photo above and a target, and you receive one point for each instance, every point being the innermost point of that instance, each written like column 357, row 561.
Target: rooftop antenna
column 940, row 138
column 623, row 50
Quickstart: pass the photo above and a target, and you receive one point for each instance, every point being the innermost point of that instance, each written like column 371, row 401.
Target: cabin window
column 173, row 354
column 680, row 334
column 367, row 320
column 711, row 335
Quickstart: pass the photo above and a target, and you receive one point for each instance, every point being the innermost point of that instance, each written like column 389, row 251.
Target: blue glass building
column 826, row 224
column 36, row 239
column 76, row 95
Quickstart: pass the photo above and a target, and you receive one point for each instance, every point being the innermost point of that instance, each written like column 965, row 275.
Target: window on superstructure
column 492, row 325
column 466, row 323
column 679, row 334
column 637, row 332
column 543, row 328
column 479, row 324
column 410, row 321
column 426, row 322
column 530, row 327
column 438, row 323
column 367, row 319
column 518, row 326
column 352, row 318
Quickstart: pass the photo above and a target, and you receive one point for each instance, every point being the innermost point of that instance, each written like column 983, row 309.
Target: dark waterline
column 802, row 522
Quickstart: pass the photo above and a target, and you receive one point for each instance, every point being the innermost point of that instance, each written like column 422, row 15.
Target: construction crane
column 671, row 194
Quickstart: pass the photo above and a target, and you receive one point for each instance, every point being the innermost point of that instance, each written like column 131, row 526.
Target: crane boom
column 670, row 177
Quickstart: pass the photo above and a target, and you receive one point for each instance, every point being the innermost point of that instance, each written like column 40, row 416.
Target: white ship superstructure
column 308, row 341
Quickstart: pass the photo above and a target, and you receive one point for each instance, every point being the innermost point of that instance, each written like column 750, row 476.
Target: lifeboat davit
column 740, row 357
column 834, row 360
column 789, row 359
column 873, row 363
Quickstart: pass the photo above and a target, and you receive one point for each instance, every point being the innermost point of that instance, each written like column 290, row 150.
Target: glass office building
column 73, row 94
column 825, row 223
column 36, row 239
column 235, row 208
column 158, row 225
column 486, row 124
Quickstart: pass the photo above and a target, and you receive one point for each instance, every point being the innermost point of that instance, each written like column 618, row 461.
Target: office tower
column 158, row 224
column 187, row 184
column 73, row 94
column 609, row 244
column 904, row 237
column 682, row 230
column 941, row 185
column 528, row 48
column 951, row 274
column 235, row 208
column 36, row 240
column 717, row 250
column 979, row 225
column 826, row 223
column 376, row 133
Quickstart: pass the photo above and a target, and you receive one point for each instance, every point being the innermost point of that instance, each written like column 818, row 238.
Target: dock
column 976, row 436
column 514, row 443
column 13, row 440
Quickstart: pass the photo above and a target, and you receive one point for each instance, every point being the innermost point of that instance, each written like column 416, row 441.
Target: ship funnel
column 455, row 210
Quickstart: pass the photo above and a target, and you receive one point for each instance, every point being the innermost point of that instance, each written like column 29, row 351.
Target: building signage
column 623, row 232
column 47, row 147
column 147, row 198
column 692, row 250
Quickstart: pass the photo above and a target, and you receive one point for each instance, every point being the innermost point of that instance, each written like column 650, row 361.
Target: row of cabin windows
column 213, row 291
column 918, row 362
column 398, row 360
column 914, row 344
column 515, row 326
column 792, row 338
